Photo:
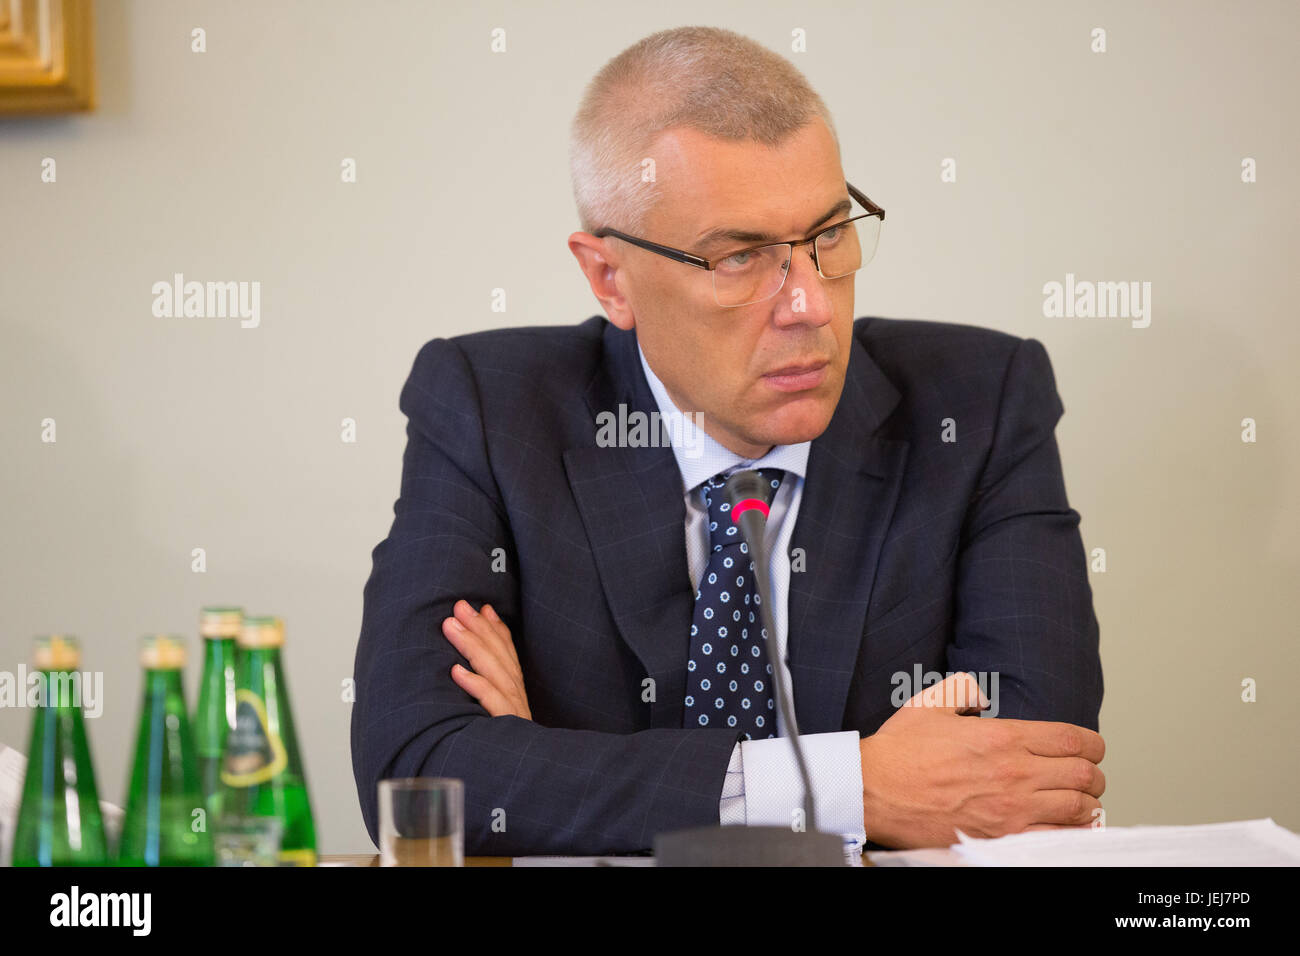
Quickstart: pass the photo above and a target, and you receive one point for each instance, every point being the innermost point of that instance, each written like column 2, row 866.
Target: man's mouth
column 797, row 378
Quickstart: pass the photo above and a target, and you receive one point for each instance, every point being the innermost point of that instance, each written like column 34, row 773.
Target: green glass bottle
column 262, row 772
column 219, row 630
column 59, row 822
column 166, row 821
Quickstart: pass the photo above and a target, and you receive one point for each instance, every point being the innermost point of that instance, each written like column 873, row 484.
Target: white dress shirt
column 762, row 786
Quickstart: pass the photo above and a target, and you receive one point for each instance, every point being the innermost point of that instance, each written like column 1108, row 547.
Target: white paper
column 13, row 768
column 1242, row 843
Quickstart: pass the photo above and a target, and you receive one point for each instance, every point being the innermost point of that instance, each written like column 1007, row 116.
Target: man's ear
column 601, row 271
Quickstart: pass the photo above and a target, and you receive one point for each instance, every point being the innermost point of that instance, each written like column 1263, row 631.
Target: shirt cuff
column 731, row 808
column 763, row 788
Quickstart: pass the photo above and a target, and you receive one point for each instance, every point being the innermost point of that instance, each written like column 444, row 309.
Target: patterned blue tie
column 728, row 670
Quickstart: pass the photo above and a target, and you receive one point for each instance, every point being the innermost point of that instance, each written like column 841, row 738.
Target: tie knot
column 722, row 530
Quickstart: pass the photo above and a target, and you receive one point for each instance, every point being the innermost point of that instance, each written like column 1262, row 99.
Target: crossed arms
column 433, row 701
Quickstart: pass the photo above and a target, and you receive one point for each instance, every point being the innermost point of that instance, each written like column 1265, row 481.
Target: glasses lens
column 758, row 274
column 846, row 248
column 751, row 276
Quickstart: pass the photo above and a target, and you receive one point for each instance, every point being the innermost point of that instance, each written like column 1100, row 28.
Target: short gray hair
column 705, row 78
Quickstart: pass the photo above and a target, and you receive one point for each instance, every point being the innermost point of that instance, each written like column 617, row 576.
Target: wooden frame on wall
column 46, row 56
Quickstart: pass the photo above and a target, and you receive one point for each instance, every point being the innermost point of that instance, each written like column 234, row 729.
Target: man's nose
column 805, row 295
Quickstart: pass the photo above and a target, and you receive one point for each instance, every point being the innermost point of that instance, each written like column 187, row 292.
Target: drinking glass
column 248, row 841
column 421, row 822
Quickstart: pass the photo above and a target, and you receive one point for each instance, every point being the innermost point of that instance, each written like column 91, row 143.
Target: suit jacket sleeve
column 1023, row 602
column 528, row 788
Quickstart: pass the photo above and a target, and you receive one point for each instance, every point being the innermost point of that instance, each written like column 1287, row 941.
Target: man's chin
column 795, row 422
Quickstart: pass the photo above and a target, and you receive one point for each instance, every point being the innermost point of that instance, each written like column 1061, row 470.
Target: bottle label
column 254, row 754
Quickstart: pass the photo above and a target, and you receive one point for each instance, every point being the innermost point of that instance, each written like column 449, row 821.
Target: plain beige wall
column 182, row 433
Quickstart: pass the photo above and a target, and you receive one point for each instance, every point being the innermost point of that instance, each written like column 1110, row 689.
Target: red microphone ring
column 742, row 506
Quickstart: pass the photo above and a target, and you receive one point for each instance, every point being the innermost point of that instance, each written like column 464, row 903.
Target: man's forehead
column 719, row 192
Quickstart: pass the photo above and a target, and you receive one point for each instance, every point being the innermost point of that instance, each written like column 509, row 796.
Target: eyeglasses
column 757, row 273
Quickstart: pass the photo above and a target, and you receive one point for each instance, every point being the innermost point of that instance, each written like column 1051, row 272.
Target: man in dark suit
column 928, row 532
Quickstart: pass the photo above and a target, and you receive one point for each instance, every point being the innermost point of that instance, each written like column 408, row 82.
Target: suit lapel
column 632, row 508
column 852, row 486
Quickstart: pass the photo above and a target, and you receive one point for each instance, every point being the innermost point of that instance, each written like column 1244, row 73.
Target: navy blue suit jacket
column 957, row 556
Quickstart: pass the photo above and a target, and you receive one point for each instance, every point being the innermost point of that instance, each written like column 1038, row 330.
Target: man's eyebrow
column 727, row 234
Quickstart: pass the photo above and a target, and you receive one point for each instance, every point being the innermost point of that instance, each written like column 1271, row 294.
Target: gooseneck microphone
column 746, row 494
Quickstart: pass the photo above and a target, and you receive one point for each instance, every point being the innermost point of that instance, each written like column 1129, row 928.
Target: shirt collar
column 700, row 457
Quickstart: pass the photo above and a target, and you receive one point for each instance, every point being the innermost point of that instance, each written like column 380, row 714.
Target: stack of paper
column 1245, row 843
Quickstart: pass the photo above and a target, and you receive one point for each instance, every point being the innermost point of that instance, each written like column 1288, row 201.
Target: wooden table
column 372, row 859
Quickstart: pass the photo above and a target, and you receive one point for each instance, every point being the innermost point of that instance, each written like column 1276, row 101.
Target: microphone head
column 746, row 492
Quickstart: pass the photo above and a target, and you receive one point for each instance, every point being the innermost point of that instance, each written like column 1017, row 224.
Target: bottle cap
column 56, row 652
column 162, row 652
column 262, row 632
column 218, row 622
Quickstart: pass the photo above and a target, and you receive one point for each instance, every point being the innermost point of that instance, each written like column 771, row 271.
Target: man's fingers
column 1057, row 826
column 1063, row 807
column 481, row 651
column 960, row 693
column 1049, row 738
column 488, row 626
column 1068, row 773
column 481, row 689
column 490, row 613
column 473, row 620
column 497, row 643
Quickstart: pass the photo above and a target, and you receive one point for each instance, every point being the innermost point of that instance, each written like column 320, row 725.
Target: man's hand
column 497, row 680
column 929, row 770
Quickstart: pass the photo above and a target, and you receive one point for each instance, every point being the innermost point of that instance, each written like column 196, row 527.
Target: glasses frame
column 711, row 265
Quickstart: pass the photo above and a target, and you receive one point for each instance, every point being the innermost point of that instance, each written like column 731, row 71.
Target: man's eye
column 738, row 261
